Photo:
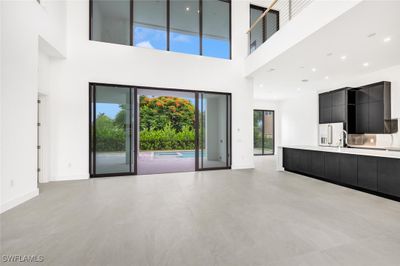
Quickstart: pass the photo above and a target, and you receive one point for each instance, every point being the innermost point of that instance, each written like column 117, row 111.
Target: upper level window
column 265, row 28
column 200, row 27
column 111, row 21
column 150, row 24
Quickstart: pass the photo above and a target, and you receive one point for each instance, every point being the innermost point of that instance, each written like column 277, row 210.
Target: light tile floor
column 229, row 217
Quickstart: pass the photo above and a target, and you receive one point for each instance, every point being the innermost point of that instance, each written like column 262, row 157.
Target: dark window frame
column 135, row 113
column 264, row 22
column 263, row 132
column 168, row 5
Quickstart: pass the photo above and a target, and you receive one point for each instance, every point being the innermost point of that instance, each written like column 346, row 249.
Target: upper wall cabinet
column 332, row 106
column 364, row 110
column 373, row 109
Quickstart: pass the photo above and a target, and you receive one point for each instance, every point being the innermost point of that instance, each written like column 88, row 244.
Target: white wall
column 90, row 61
column 299, row 120
column 22, row 22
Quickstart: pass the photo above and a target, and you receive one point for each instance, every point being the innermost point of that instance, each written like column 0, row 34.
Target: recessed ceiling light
column 187, row 8
column 304, row 80
column 271, row 69
column 298, row 89
column 261, row 85
column 313, row 69
column 329, row 54
column 371, row 35
column 326, row 77
column 343, row 57
column 387, row 39
column 366, row 64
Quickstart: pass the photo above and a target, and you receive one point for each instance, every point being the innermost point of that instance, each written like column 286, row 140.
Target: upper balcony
column 285, row 23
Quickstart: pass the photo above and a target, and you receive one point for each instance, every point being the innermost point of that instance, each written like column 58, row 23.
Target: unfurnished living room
column 200, row 132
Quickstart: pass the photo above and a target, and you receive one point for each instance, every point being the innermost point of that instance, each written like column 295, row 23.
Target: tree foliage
column 157, row 113
column 166, row 123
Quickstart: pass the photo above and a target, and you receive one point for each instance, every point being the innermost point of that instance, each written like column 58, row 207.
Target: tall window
column 264, row 132
column 265, row 28
column 200, row 27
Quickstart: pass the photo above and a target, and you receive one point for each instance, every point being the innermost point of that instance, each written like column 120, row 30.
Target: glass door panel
column 263, row 132
column 213, row 131
column 111, row 129
column 268, row 132
column 258, row 132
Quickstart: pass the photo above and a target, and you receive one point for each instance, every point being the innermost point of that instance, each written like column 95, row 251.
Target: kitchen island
column 373, row 171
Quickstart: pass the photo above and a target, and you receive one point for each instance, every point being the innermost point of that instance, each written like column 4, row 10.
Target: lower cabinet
column 317, row 163
column 367, row 176
column 332, row 166
column 389, row 176
column 304, row 163
column 348, row 169
column 371, row 173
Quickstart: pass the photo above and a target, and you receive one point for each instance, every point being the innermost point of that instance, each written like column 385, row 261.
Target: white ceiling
column 348, row 35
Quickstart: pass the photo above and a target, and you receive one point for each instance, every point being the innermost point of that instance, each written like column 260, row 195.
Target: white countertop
column 366, row 152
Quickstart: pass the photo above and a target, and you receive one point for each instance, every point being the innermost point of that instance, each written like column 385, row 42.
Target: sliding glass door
column 213, row 131
column 263, row 125
column 138, row 130
column 111, row 118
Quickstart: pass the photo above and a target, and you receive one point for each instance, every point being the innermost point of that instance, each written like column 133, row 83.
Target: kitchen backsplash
column 377, row 140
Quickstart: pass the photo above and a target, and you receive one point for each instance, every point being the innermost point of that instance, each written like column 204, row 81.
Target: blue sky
column 183, row 43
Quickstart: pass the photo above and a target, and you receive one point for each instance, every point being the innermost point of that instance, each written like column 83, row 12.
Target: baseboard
column 70, row 177
column 18, row 200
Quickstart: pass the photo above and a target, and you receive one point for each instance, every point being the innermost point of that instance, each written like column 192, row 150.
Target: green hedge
column 167, row 139
column 109, row 139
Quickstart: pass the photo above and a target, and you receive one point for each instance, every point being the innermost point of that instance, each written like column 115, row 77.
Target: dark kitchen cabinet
column 326, row 115
column 362, row 118
column 362, row 95
column 332, row 166
column 338, row 114
column 389, row 176
column 338, row 97
column 304, row 162
column 325, row 100
column 287, row 159
column 367, row 176
column 376, row 117
column 348, row 169
column 373, row 174
column 373, row 109
column 333, row 106
column 317, row 163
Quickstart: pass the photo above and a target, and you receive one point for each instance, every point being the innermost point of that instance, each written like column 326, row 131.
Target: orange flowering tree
column 157, row 113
